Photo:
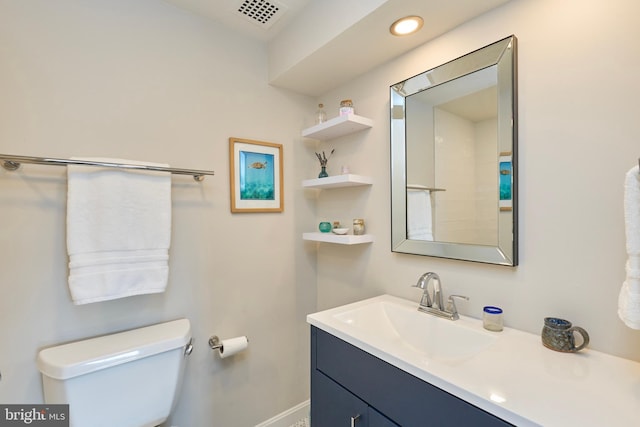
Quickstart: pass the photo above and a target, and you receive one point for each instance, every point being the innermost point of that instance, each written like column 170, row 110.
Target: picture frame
column 256, row 176
column 505, row 182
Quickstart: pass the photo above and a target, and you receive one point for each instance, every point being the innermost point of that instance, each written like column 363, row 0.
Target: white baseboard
column 288, row 417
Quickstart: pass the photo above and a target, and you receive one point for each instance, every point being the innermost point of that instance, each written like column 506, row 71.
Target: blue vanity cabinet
column 347, row 381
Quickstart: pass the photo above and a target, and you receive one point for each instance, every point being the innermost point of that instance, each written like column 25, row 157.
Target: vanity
column 379, row 363
column 349, row 384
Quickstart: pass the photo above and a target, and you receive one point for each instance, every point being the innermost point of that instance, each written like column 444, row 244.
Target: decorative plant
column 323, row 158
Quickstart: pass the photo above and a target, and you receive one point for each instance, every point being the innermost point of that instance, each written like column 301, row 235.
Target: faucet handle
column 451, row 305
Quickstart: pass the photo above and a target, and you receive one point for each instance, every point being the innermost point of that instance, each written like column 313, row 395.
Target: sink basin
column 399, row 323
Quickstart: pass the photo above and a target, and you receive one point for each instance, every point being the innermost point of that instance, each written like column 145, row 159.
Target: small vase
column 323, row 172
column 324, row 227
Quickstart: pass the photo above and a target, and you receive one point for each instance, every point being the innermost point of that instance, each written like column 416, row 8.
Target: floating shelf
column 344, row 239
column 338, row 126
column 346, row 180
column 334, row 128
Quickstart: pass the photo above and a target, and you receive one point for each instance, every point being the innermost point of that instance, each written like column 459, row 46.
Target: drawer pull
column 354, row 419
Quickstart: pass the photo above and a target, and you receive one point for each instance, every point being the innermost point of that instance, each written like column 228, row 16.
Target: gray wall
column 579, row 134
column 143, row 80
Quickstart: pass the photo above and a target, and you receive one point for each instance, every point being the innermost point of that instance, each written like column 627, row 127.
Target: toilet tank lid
column 81, row 357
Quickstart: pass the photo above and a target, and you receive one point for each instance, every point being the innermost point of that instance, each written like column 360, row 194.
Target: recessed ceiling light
column 407, row 25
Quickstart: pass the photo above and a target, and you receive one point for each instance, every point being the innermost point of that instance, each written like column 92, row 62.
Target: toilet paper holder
column 215, row 343
column 235, row 345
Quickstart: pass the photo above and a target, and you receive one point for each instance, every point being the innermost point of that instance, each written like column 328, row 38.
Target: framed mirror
column 454, row 158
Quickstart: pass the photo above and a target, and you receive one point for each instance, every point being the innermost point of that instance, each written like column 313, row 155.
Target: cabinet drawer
column 403, row 398
column 334, row 406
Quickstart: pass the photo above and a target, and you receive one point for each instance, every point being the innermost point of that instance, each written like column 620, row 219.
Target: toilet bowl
column 127, row 379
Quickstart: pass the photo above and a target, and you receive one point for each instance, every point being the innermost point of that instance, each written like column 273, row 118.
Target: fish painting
column 258, row 165
column 505, row 180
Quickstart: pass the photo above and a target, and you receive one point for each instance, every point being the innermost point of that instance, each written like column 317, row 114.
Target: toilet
column 127, row 379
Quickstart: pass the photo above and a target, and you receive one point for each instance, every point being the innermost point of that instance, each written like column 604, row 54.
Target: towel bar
column 422, row 187
column 11, row 163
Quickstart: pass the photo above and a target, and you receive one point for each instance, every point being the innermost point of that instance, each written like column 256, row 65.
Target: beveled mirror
column 454, row 159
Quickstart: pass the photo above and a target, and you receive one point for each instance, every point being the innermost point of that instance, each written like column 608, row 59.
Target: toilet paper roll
column 232, row 346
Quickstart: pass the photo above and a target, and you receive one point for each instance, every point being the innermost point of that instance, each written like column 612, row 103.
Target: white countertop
column 516, row 378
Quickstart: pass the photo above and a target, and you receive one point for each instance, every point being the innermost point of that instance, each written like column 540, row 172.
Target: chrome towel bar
column 12, row 163
column 422, row 187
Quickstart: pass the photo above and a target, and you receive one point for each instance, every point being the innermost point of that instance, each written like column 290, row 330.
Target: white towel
column 118, row 231
column 629, row 299
column 419, row 222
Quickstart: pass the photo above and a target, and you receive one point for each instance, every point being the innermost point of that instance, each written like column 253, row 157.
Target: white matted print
column 256, row 176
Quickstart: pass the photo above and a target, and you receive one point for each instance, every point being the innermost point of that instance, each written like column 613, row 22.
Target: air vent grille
column 261, row 12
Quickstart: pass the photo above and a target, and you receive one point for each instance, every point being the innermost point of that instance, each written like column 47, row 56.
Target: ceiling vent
column 261, row 12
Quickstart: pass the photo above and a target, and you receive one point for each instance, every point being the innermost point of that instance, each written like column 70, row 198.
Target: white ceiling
column 226, row 13
column 317, row 45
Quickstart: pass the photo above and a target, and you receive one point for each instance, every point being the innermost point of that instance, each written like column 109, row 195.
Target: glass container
column 321, row 116
column 358, row 226
column 492, row 318
column 346, row 107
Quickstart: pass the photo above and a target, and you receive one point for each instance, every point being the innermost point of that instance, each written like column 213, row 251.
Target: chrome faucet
column 435, row 305
column 423, row 283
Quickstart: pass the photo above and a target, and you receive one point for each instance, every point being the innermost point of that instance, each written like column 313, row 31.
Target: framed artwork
column 506, row 198
column 256, row 176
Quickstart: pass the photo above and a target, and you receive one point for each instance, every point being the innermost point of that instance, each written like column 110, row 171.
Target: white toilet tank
column 127, row 379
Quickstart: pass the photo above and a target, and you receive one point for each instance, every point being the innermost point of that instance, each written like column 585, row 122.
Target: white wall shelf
column 338, row 126
column 342, row 239
column 334, row 128
column 346, row 180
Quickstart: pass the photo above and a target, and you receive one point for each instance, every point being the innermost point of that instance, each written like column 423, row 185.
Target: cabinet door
column 333, row 406
column 376, row 419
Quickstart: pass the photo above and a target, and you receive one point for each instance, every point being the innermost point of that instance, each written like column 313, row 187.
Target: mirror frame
column 502, row 54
